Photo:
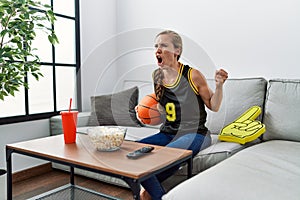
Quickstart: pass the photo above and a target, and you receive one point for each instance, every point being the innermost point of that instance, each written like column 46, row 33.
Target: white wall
column 248, row 38
column 98, row 47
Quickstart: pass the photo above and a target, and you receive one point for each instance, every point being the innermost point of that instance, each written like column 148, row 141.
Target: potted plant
column 19, row 21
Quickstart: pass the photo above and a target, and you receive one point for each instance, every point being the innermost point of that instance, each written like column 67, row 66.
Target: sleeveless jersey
column 185, row 109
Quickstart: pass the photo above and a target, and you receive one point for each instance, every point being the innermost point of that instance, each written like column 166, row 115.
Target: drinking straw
column 70, row 105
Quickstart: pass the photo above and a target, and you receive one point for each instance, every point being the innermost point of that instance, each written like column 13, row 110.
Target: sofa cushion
column 238, row 96
column 217, row 152
column 269, row 171
column 115, row 109
column 282, row 110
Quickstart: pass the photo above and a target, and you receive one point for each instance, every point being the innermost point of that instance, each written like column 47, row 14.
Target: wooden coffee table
column 83, row 155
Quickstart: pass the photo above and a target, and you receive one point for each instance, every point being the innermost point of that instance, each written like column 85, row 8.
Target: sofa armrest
column 56, row 124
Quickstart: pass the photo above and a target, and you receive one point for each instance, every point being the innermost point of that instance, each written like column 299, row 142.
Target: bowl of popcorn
column 107, row 138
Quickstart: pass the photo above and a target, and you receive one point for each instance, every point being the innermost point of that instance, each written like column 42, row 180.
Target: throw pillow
column 245, row 128
column 115, row 109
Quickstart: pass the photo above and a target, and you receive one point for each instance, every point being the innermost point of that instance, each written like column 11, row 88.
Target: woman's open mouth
column 159, row 60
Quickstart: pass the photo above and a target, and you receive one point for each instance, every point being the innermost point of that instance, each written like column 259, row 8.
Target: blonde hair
column 158, row 75
column 176, row 40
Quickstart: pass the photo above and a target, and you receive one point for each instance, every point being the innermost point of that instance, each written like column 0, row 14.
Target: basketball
column 147, row 110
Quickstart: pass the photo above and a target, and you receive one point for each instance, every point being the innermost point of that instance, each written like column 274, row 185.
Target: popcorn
column 107, row 138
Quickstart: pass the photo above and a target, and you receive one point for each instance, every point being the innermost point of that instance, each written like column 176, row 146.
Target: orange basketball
column 147, row 110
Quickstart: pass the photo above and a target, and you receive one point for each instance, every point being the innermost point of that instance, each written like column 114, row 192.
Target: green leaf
column 4, row 93
column 18, row 26
column 1, row 96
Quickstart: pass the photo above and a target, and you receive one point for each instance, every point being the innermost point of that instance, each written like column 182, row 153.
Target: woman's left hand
column 221, row 76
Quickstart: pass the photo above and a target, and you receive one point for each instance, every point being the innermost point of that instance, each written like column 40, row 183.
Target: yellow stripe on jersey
column 193, row 86
column 177, row 79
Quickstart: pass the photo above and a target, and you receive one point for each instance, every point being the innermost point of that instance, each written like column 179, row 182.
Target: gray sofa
column 239, row 95
column 269, row 170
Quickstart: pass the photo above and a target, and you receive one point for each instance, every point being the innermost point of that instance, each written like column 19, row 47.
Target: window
column 60, row 65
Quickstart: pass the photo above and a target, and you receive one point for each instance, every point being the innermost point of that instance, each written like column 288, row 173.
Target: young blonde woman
column 182, row 93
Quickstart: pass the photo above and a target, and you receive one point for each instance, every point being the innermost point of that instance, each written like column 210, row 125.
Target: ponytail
column 158, row 77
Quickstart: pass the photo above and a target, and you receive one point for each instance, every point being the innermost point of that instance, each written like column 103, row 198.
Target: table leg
column 9, row 173
column 134, row 186
column 72, row 175
column 190, row 167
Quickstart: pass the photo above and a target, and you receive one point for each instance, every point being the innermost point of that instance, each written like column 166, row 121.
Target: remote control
column 140, row 152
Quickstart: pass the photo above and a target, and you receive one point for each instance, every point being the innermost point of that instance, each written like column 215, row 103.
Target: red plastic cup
column 69, row 122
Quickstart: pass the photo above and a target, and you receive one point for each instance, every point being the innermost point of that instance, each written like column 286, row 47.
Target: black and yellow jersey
column 185, row 109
